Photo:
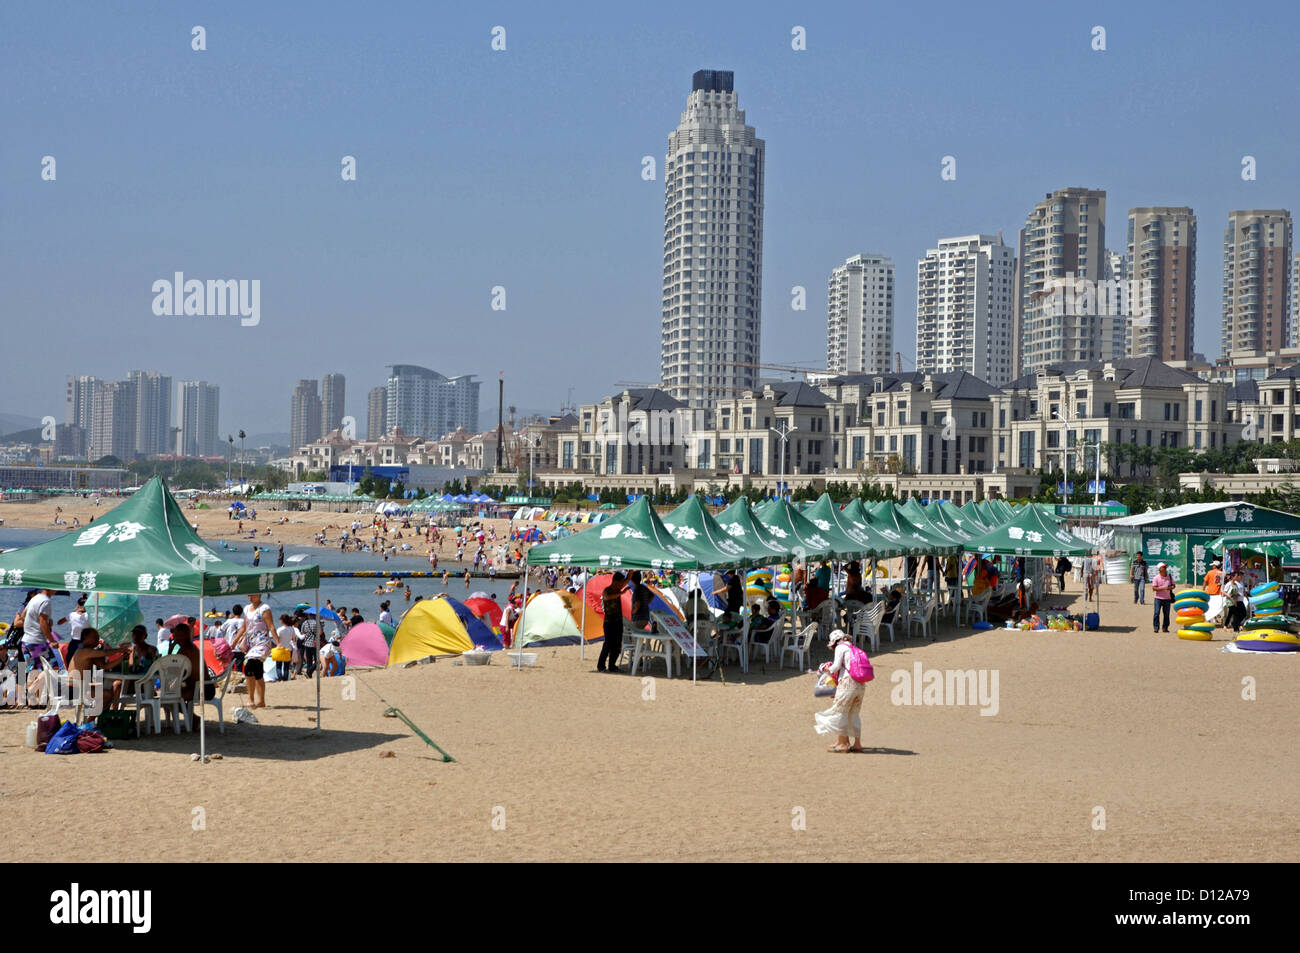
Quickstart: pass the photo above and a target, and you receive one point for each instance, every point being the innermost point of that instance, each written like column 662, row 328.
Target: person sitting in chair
column 891, row 606
column 762, row 626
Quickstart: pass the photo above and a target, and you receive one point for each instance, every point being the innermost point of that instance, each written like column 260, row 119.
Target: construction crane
column 788, row 368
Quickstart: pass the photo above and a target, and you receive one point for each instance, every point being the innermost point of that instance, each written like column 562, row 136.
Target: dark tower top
column 714, row 80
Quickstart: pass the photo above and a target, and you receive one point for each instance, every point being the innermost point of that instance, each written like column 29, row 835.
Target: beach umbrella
column 439, row 626
column 325, row 613
column 114, row 615
column 172, row 621
column 366, row 644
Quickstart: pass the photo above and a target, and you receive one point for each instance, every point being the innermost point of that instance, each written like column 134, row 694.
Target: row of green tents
column 775, row 531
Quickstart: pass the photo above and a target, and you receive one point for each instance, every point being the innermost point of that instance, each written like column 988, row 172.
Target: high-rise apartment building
column 1063, row 265
column 860, row 316
column 199, row 405
column 965, row 303
column 112, row 421
column 153, row 412
column 1160, row 279
column 425, row 403
column 376, row 413
column 332, row 391
column 1256, row 282
column 80, row 395
column 304, row 415
column 713, row 247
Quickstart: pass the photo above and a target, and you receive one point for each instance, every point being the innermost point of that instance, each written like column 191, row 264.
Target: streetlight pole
column 1064, row 415
column 784, row 434
column 241, row 458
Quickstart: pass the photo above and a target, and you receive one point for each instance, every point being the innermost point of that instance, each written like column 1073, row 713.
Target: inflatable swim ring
column 1200, row 627
column 1193, row 594
column 1192, row 635
column 1269, row 635
column 1264, row 587
column 1183, row 604
column 1280, row 622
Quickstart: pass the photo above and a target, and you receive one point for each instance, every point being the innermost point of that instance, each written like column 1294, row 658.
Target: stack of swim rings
column 758, row 584
column 1190, row 606
column 781, row 586
column 1266, row 601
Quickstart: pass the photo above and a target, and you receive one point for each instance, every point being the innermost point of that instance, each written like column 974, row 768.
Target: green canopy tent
column 1277, row 545
column 145, row 545
column 888, row 518
column 1033, row 533
column 793, row 529
column 828, row 517
column 742, row 524
column 695, row 528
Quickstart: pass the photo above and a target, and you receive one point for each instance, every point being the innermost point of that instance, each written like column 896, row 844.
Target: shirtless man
column 91, row 655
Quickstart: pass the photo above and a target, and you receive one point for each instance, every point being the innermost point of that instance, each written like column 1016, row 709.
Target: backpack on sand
column 860, row 669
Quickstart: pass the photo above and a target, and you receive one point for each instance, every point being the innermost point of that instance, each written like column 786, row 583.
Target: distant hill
column 32, row 435
column 11, row 423
column 264, row 440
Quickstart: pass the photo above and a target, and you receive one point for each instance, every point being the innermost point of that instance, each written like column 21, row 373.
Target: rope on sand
column 393, row 712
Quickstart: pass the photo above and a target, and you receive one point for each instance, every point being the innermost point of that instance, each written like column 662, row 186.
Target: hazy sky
column 522, row 169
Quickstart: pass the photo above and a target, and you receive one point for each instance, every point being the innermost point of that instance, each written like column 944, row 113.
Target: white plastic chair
column 55, row 682
column 979, row 606
column 799, row 646
column 900, row 615
column 171, row 671
column 867, row 626
column 922, row 618
column 774, row 642
column 649, row 648
column 739, row 646
column 221, row 686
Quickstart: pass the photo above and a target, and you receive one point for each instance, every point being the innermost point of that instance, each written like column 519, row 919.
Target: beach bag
column 281, row 654
column 860, row 669
column 89, row 742
column 115, row 725
column 826, row 685
column 46, row 728
column 64, row 740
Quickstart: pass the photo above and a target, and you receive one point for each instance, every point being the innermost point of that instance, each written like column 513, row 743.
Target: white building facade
column 860, row 316
column 965, row 305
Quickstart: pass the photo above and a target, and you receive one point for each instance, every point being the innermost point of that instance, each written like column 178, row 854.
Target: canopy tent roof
column 887, row 518
column 829, row 518
column 1280, row 546
column 793, row 529
column 1207, row 518
column 928, row 520
column 1031, row 533
column 633, row 538
column 741, row 523
column 144, row 545
column 695, row 528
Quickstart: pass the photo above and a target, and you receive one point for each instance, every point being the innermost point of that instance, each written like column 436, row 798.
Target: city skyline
column 824, row 195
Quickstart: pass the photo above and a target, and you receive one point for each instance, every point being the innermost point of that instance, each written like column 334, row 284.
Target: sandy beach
column 559, row 763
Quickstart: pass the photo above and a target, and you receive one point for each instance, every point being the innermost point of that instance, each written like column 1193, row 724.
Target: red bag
column 88, row 742
column 46, row 726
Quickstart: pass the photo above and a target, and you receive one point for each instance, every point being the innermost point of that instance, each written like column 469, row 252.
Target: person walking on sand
column 1137, row 574
column 842, row 719
column 1162, row 588
column 255, row 637
column 611, row 603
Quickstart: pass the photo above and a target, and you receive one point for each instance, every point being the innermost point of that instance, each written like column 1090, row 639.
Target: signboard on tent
column 673, row 627
column 1102, row 510
column 1168, row 548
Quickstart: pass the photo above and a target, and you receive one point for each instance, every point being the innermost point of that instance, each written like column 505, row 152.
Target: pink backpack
column 860, row 669
column 221, row 649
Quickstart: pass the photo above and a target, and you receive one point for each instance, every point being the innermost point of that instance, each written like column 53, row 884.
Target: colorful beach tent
column 1031, row 533
column 143, row 545
column 487, row 610
column 556, row 618
column 439, row 626
column 633, row 538
column 366, row 644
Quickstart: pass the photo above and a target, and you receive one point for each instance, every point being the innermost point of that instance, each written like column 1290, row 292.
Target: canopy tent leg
column 695, row 632
column 203, row 734
column 320, row 638
column 582, row 636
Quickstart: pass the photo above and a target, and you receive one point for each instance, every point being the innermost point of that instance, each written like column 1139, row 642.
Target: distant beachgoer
column 406, row 593
column 445, row 576
column 257, row 555
column 286, row 639
column 467, row 580
column 1137, row 574
column 256, row 635
column 1162, row 586
column 279, row 559
column 385, row 613
column 843, row 718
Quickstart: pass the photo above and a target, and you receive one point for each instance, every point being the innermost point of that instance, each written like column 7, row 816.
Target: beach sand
column 558, row 763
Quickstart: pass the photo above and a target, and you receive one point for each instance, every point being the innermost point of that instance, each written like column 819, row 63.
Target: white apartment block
column 713, row 247
column 965, row 306
column 860, row 316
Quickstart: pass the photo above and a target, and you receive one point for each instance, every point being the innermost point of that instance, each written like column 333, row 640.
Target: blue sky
column 522, row 169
